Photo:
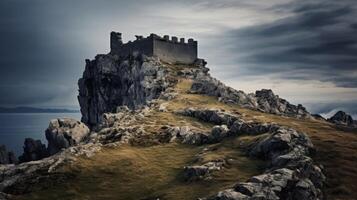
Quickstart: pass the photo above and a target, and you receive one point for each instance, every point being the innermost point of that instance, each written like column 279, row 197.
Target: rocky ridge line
column 292, row 174
column 263, row 100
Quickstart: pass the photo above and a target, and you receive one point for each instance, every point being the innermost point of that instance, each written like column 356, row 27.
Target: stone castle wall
column 172, row 51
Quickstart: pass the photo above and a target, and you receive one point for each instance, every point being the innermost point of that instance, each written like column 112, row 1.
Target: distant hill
column 35, row 110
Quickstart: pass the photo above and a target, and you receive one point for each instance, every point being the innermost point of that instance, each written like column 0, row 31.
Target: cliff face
column 108, row 82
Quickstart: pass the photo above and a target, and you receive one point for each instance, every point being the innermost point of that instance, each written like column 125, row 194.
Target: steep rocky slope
column 344, row 119
column 166, row 131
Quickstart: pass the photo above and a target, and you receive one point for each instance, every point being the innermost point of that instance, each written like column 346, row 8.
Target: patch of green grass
column 131, row 172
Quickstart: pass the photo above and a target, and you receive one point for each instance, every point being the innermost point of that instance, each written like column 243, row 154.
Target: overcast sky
column 306, row 51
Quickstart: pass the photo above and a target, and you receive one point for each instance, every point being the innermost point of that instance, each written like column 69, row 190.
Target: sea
column 15, row 127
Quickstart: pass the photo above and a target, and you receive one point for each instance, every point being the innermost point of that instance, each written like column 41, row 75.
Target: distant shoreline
column 35, row 110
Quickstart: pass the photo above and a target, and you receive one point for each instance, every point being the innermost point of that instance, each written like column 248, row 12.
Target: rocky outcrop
column 6, row 157
column 342, row 118
column 185, row 135
column 291, row 174
column 213, row 87
column 214, row 116
column 263, row 100
column 109, row 82
column 33, row 150
column 271, row 103
column 198, row 172
column 26, row 177
column 65, row 132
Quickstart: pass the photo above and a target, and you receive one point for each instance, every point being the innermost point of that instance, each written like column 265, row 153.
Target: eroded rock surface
column 26, row 177
column 263, row 100
column 197, row 172
column 65, row 132
column 291, row 174
column 344, row 119
column 33, row 150
column 109, row 82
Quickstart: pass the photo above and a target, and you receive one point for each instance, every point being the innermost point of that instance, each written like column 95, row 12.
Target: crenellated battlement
column 167, row 49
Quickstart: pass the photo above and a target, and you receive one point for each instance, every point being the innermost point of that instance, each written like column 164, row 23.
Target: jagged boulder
column 65, row 132
column 213, row 87
column 240, row 127
column 218, row 133
column 185, row 135
column 271, row 103
column 33, row 150
column 342, row 118
column 197, row 172
column 109, row 82
column 282, row 141
column 6, row 157
column 215, row 116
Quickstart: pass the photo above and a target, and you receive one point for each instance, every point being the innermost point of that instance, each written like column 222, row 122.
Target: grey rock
column 291, row 174
column 185, row 135
column 240, row 127
column 218, row 133
column 25, row 177
column 65, row 132
column 33, row 150
column 271, row 103
column 214, row 116
column 342, row 118
column 6, row 157
column 263, row 100
column 109, row 82
column 197, row 172
column 229, row 194
column 281, row 142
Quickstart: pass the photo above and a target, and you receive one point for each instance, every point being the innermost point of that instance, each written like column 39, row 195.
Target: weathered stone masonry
column 172, row 51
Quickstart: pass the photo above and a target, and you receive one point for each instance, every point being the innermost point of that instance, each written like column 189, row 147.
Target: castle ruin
column 166, row 49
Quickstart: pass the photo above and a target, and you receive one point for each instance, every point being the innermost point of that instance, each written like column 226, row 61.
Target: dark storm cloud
column 317, row 42
column 41, row 52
